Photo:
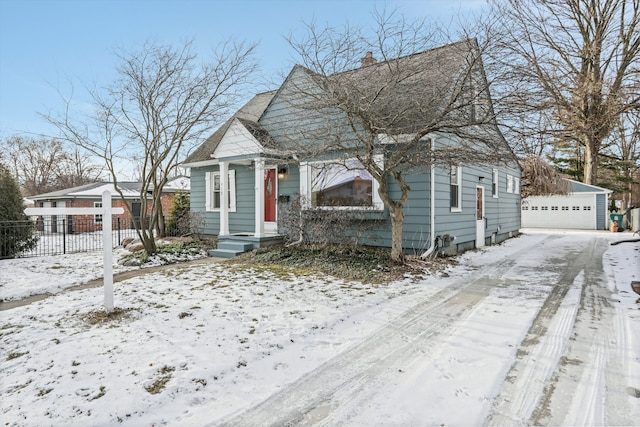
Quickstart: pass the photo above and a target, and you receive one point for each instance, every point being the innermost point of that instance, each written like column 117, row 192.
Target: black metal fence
column 52, row 236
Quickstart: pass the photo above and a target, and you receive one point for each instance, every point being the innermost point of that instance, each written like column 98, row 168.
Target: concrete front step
column 224, row 253
column 235, row 245
column 230, row 248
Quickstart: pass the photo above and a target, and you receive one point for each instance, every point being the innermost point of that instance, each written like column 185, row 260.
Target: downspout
column 432, row 233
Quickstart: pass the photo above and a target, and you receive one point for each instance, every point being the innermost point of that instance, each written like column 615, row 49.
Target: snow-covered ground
column 23, row 277
column 205, row 344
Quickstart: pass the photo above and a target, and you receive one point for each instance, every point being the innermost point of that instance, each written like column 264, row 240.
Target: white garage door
column 577, row 211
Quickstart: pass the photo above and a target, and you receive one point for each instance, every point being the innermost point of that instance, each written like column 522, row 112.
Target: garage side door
column 576, row 211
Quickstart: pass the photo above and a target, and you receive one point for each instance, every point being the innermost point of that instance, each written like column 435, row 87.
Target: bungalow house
column 90, row 195
column 252, row 168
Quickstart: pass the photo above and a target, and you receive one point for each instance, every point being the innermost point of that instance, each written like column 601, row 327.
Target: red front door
column 270, row 195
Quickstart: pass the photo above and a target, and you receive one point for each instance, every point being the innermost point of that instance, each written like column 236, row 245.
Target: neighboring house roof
column 130, row 190
column 581, row 187
column 249, row 112
column 577, row 187
column 179, row 183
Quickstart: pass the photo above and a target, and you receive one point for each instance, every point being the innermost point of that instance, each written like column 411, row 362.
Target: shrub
column 183, row 222
column 17, row 231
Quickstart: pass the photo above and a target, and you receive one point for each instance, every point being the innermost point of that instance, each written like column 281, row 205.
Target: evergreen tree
column 179, row 220
column 16, row 230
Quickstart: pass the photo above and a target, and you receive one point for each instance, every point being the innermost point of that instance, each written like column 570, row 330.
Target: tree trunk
column 160, row 227
column 397, row 221
column 149, row 243
column 590, row 164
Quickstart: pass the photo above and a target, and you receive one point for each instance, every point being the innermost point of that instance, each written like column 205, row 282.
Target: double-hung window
column 214, row 197
column 494, row 183
column 455, row 187
column 339, row 185
column 509, row 184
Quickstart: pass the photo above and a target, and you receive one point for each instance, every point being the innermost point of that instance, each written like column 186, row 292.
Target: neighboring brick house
column 90, row 195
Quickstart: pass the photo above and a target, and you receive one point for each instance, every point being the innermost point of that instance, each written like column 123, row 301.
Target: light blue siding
column 240, row 221
column 285, row 122
column 601, row 211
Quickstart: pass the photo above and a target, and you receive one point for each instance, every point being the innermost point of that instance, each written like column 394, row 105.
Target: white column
column 224, row 199
column 259, row 197
column 107, row 254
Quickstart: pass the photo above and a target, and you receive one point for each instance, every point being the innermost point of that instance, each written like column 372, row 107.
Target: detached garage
column 584, row 208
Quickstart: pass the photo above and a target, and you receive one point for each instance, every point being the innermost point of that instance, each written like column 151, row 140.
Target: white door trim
column 480, row 217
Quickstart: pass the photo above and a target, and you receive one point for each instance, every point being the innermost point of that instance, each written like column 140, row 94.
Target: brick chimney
column 368, row 60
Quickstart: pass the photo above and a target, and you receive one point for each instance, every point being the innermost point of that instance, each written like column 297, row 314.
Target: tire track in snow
column 541, row 350
column 591, row 388
column 352, row 376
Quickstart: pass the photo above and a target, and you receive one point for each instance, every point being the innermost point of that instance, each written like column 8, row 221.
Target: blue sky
column 51, row 45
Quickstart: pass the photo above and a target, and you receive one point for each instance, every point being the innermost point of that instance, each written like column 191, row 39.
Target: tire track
column 591, row 388
column 526, row 389
column 354, row 375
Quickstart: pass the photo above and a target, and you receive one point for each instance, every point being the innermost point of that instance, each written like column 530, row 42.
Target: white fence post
column 107, row 245
column 107, row 237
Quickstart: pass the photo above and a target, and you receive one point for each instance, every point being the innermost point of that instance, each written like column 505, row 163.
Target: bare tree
column 42, row 165
column 383, row 117
column 161, row 103
column 540, row 179
column 77, row 169
column 573, row 68
column 623, row 154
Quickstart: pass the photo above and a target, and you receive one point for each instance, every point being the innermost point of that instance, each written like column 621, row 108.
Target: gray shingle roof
column 251, row 111
column 402, row 95
column 398, row 96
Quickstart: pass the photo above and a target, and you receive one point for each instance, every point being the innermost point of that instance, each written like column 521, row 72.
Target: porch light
column 282, row 172
column 481, row 179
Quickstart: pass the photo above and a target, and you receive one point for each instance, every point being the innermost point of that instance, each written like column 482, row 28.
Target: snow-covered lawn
column 193, row 345
column 23, row 277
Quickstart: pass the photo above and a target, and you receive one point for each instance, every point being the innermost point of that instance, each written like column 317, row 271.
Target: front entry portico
column 265, row 194
column 265, row 230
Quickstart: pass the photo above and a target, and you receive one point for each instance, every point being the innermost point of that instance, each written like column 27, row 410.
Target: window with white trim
column 455, row 188
column 344, row 185
column 494, row 183
column 516, row 185
column 213, row 191
column 509, row 184
column 98, row 217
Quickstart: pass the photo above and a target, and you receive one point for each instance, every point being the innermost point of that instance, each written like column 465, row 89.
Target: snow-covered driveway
column 543, row 329
column 536, row 337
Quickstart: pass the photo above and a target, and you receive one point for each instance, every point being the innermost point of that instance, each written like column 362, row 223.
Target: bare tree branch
column 161, row 104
